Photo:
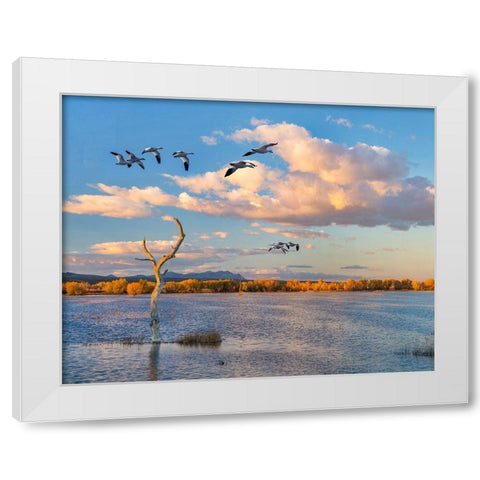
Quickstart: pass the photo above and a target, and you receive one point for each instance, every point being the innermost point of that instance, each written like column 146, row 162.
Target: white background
column 404, row 37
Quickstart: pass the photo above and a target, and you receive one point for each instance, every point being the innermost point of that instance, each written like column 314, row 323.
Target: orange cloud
column 129, row 247
column 119, row 202
column 301, row 233
column 106, row 206
column 325, row 183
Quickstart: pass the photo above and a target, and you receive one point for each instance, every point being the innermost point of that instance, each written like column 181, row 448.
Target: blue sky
column 352, row 185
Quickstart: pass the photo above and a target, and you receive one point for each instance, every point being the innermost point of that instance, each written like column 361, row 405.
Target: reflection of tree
column 153, row 360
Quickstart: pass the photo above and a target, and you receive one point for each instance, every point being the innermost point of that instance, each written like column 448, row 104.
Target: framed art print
column 198, row 240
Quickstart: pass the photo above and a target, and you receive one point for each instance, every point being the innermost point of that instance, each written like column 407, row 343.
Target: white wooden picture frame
column 38, row 393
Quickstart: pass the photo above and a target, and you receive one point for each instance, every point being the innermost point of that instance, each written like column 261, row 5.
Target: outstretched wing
column 140, row 164
column 251, row 152
column 269, row 145
column 119, row 156
column 229, row 171
column 130, row 154
column 157, row 156
column 185, row 162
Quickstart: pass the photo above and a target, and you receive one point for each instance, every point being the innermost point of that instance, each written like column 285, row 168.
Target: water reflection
column 153, row 362
column 263, row 335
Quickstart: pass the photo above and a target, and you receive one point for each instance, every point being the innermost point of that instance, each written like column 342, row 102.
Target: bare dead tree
column 160, row 280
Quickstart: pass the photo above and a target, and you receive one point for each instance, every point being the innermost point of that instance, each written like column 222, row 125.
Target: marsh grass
column 421, row 347
column 210, row 338
column 133, row 341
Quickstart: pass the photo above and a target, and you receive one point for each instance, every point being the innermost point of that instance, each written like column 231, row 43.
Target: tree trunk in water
column 160, row 281
column 154, row 320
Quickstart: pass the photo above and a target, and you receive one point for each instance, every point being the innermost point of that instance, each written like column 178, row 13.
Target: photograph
column 207, row 239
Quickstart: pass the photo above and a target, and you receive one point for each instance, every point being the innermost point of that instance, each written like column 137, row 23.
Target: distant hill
column 171, row 276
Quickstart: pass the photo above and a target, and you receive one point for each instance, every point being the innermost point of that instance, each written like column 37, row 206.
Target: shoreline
column 322, row 292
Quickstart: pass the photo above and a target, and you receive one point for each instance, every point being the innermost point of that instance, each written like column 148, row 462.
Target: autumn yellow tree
column 349, row 285
column 147, row 287
column 416, row 285
column 116, row 287
column 134, row 288
column 293, row 286
column 429, row 284
column 76, row 288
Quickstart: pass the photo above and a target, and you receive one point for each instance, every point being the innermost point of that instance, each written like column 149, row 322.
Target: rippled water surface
column 264, row 334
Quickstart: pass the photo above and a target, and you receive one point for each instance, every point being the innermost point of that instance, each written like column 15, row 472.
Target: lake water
column 264, row 334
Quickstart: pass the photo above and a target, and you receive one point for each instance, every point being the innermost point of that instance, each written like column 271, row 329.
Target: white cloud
column 131, row 247
column 339, row 121
column 373, row 128
column 221, row 235
column 259, row 121
column 119, row 202
column 325, row 183
column 106, row 206
column 302, row 233
column 107, row 257
column 364, row 185
column 207, row 182
column 208, row 140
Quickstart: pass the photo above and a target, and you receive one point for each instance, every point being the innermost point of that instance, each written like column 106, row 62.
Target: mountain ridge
column 170, row 276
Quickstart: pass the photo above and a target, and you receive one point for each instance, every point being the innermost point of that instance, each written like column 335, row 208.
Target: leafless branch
column 166, row 257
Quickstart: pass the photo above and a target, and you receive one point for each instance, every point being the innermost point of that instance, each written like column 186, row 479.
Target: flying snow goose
column 278, row 246
column 236, row 165
column 135, row 159
column 121, row 160
column 262, row 149
column 184, row 156
column 155, row 151
column 296, row 245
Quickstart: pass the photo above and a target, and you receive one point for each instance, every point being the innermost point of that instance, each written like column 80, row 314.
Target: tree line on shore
column 121, row 286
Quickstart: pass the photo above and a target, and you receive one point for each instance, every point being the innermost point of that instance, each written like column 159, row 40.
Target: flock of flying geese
column 234, row 166
column 132, row 158
column 284, row 247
